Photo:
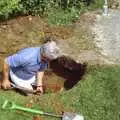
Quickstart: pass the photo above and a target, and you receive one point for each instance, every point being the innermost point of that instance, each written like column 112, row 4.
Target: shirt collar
column 39, row 55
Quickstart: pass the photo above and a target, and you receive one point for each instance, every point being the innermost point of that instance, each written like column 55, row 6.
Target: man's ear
column 43, row 56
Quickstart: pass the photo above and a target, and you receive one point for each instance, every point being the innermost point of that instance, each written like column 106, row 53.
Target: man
column 28, row 65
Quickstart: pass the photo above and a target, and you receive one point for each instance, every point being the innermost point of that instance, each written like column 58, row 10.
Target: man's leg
column 22, row 83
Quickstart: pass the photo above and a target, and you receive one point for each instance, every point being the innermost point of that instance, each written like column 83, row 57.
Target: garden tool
column 65, row 116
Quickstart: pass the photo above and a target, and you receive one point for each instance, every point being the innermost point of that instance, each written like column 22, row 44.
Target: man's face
column 44, row 58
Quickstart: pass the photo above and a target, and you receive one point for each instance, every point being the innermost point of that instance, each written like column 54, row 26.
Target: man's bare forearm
column 40, row 78
column 5, row 71
column 5, row 80
column 40, row 82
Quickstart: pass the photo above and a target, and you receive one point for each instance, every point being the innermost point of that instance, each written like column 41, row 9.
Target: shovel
column 65, row 116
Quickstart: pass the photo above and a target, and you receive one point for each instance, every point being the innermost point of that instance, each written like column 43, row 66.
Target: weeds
column 58, row 11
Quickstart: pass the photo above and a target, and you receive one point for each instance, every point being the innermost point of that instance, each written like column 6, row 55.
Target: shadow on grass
column 70, row 70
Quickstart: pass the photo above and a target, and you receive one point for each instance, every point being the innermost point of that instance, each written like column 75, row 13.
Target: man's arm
column 5, row 80
column 40, row 81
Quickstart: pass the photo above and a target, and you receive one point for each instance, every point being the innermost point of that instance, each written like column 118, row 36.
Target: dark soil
column 68, row 69
column 63, row 73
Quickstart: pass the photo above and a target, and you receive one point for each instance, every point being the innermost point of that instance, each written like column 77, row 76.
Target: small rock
column 37, row 118
column 28, row 105
column 115, row 5
column 2, row 51
column 30, row 18
column 4, row 26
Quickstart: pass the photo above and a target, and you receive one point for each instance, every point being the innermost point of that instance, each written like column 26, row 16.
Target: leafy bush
column 58, row 11
column 34, row 6
column 60, row 17
column 8, row 8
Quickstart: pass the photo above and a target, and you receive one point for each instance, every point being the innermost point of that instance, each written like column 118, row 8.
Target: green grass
column 61, row 17
column 65, row 17
column 96, row 97
column 97, row 4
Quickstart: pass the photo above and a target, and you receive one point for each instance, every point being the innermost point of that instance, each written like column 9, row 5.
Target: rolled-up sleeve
column 14, row 60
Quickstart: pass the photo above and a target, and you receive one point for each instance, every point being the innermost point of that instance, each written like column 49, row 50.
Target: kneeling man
column 27, row 66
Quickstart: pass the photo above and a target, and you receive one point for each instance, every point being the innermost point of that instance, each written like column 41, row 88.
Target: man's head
column 51, row 50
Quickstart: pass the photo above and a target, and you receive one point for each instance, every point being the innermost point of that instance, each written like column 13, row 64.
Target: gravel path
column 107, row 35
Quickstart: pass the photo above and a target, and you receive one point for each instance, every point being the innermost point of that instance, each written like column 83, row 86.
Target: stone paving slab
column 107, row 35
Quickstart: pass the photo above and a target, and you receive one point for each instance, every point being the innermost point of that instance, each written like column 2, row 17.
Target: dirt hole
column 68, row 70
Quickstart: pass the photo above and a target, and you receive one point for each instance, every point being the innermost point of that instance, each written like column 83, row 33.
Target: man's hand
column 6, row 84
column 40, row 89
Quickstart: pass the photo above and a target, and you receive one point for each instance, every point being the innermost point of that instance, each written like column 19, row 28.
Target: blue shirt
column 27, row 62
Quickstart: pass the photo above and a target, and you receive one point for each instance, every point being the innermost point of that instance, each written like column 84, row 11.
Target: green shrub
column 58, row 11
column 8, row 8
column 32, row 6
column 96, row 4
column 37, row 6
column 61, row 17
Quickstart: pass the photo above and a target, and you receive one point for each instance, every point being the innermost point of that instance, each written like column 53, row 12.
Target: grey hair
column 51, row 50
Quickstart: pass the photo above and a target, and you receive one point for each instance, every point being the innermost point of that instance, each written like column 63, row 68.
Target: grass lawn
column 96, row 97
